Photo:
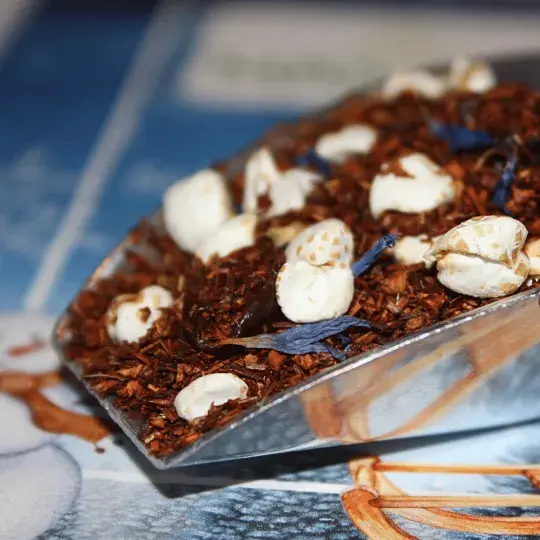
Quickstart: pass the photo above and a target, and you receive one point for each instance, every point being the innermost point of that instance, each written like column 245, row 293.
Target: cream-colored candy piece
column 427, row 187
column 482, row 257
column 411, row 249
column 304, row 178
column 532, row 250
column 420, row 82
column 471, row 76
column 287, row 190
column 196, row 399
column 260, row 173
column 495, row 238
column 195, row 207
column 329, row 242
column 286, row 195
column 237, row 233
column 127, row 318
column 482, row 278
column 353, row 139
column 308, row 293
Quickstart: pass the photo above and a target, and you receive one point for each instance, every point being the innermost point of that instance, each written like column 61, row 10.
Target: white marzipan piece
column 352, row 139
column 420, row 82
column 237, row 233
column 482, row 257
column 260, row 173
column 126, row 320
column 532, row 250
column 195, row 207
column 195, row 400
column 427, row 187
column 308, row 293
column 411, row 249
column 287, row 190
column 471, row 76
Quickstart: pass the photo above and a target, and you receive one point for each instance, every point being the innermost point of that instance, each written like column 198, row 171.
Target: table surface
column 100, row 110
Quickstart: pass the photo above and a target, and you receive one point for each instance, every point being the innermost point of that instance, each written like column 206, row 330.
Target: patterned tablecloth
column 100, row 109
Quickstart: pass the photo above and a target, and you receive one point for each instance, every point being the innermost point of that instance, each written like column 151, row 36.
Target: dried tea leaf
column 368, row 259
column 460, row 138
column 312, row 159
column 302, row 339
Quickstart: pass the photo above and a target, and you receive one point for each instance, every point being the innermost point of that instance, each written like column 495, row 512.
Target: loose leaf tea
column 234, row 296
column 312, row 159
column 369, row 258
column 460, row 138
column 302, row 339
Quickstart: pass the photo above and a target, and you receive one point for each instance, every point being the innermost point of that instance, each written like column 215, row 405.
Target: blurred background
column 104, row 103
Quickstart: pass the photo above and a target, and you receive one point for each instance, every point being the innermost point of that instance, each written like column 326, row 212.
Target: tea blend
column 437, row 162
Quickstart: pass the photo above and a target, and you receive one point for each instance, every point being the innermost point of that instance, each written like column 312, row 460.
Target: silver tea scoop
column 479, row 370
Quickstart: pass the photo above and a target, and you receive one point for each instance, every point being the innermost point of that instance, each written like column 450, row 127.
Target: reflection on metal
column 481, row 349
column 367, row 504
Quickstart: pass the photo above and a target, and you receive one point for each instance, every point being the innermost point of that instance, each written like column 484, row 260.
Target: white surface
column 35, row 489
column 19, row 433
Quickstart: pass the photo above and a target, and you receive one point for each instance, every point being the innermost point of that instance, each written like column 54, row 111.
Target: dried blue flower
column 368, row 259
column 503, row 188
column 461, row 138
column 312, row 159
column 302, row 339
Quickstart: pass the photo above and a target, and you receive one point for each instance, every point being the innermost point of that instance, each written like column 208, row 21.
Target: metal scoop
column 479, row 370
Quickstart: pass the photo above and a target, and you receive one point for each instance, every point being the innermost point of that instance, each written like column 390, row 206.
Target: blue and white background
column 102, row 105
